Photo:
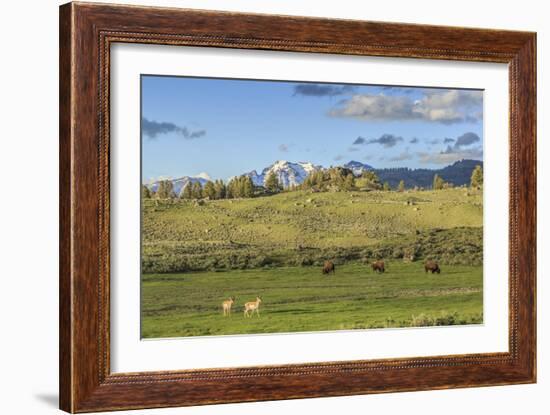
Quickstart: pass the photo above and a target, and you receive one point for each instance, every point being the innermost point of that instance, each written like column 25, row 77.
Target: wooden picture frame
column 86, row 33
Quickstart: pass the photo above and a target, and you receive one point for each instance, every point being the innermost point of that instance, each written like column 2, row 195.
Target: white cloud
column 405, row 155
column 447, row 107
column 450, row 155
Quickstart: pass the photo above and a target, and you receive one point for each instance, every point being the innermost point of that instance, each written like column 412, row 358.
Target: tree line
column 331, row 179
column 476, row 180
column 237, row 187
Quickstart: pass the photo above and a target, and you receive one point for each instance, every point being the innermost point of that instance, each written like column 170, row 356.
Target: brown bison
column 432, row 266
column 378, row 266
column 329, row 267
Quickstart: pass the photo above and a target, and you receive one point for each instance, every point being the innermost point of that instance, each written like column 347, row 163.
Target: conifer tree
column 272, row 183
column 319, row 179
column 187, row 192
column 165, row 190
column 209, row 190
column 236, row 188
column 373, row 182
column 349, row 182
column 476, row 181
column 229, row 190
column 401, row 186
column 196, row 190
column 242, row 186
column 248, row 187
column 145, row 192
column 438, row 183
column 219, row 187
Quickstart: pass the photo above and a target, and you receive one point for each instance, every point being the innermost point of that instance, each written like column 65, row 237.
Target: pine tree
column 196, row 190
column 242, row 186
column 165, row 190
column 272, row 183
column 373, row 182
column 319, row 180
column 401, row 186
column 322, row 179
column 187, row 192
column 229, row 190
column 145, row 192
column 236, row 188
column 307, row 183
column 219, row 187
column 335, row 177
column 160, row 190
column 248, row 187
column 313, row 180
column 349, row 183
column 438, row 183
column 386, row 186
column 476, row 180
column 209, row 190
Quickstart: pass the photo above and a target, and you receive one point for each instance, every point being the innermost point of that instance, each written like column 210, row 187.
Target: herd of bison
column 380, row 267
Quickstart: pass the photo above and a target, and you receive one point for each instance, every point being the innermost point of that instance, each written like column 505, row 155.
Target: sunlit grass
column 302, row 299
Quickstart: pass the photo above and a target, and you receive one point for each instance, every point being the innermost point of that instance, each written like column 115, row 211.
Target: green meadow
column 301, row 299
column 196, row 254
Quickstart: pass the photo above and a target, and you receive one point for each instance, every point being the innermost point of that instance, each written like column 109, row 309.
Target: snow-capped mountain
column 357, row 167
column 181, row 182
column 288, row 173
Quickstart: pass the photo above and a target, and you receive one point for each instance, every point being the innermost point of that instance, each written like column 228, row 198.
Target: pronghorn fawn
column 226, row 305
column 251, row 307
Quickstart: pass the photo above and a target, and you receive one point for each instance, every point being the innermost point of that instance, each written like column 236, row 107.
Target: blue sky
column 226, row 127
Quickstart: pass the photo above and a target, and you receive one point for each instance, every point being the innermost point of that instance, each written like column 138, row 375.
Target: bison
column 329, row 267
column 378, row 266
column 432, row 267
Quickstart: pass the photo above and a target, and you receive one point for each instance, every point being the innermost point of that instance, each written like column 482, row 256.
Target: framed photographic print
column 260, row 207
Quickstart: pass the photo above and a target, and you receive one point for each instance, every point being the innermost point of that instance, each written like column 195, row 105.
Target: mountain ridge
column 294, row 173
column 288, row 173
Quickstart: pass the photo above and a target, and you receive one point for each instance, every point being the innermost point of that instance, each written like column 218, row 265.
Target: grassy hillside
column 304, row 228
column 301, row 299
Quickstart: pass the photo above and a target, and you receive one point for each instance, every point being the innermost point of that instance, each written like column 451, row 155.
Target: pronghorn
column 226, row 305
column 252, row 306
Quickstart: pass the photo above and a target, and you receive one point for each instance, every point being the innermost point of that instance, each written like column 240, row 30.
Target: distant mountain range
column 290, row 174
column 357, row 167
column 180, row 183
column 458, row 173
